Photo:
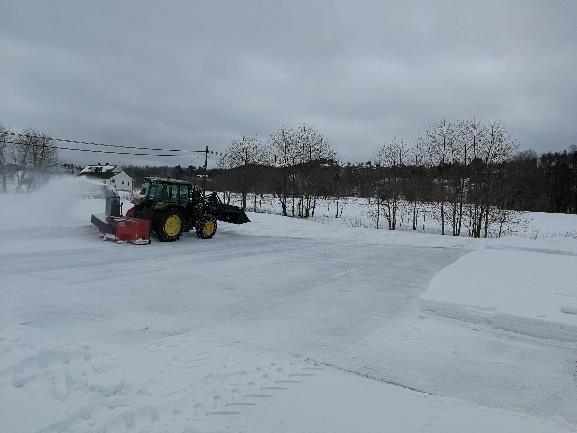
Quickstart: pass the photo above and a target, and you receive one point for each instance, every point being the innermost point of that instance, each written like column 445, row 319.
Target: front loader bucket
column 225, row 212
column 228, row 213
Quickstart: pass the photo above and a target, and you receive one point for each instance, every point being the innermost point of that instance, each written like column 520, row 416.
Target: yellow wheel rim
column 208, row 228
column 172, row 225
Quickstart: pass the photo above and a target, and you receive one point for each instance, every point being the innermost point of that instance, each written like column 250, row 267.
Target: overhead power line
column 113, row 152
column 90, row 143
column 174, row 152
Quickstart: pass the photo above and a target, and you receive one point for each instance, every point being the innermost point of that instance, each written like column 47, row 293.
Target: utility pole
column 205, row 167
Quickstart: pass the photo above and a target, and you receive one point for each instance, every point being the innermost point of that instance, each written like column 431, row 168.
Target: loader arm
column 225, row 212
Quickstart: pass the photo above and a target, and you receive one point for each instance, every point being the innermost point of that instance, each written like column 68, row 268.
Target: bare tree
column 299, row 154
column 313, row 150
column 338, row 198
column 35, row 155
column 283, row 146
column 454, row 179
column 244, row 155
column 4, row 133
column 438, row 140
column 391, row 158
column 468, row 138
column 492, row 151
column 417, row 184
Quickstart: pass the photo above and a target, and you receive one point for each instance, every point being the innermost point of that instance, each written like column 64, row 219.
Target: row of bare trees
column 30, row 156
column 458, row 165
column 463, row 168
column 287, row 164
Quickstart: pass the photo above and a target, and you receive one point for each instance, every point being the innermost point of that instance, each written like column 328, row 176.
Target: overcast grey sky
column 194, row 73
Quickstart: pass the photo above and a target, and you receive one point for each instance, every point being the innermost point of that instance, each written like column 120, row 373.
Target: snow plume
column 63, row 201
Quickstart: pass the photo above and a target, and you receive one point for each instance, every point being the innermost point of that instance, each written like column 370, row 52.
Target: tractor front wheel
column 169, row 226
column 206, row 227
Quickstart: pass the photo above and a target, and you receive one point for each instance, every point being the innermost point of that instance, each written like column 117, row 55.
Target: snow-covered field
column 281, row 325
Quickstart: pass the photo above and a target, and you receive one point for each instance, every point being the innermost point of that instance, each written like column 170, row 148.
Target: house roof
column 167, row 180
column 101, row 171
column 98, row 175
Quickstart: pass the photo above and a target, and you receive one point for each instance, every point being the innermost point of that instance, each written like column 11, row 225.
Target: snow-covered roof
column 101, row 169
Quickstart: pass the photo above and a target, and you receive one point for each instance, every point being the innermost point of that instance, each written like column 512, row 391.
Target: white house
column 111, row 175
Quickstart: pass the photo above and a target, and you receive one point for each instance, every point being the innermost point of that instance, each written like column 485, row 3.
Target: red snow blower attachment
column 113, row 226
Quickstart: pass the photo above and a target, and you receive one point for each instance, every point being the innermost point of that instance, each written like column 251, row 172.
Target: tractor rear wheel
column 206, row 227
column 169, row 226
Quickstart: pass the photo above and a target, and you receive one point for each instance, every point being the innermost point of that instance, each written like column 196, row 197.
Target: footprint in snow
column 273, row 388
column 223, row 412
column 258, row 395
column 252, row 385
column 197, row 408
column 240, row 403
column 314, row 368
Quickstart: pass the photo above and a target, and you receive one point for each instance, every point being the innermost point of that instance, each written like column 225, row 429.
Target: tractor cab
column 160, row 191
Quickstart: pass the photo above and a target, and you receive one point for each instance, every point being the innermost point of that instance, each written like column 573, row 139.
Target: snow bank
column 528, row 292
column 551, row 225
column 63, row 201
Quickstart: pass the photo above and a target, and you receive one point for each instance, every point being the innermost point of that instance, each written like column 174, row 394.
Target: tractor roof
column 167, row 180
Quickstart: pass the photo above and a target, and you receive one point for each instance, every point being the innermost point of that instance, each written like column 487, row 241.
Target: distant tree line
column 469, row 172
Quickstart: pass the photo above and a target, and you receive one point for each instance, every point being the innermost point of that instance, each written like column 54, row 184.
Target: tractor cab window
column 154, row 191
column 183, row 194
column 170, row 194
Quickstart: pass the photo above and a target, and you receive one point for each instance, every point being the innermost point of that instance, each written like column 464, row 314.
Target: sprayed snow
column 61, row 202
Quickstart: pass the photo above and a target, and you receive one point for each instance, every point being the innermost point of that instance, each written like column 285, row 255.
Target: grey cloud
column 189, row 74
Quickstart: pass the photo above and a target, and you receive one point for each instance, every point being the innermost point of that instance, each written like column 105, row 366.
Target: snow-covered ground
column 530, row 292
column 361, row 212
column 280, row 325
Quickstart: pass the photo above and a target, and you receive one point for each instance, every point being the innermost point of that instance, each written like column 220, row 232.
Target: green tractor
column 167, row 207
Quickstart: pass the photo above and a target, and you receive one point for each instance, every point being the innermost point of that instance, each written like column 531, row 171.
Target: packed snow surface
column 279, row 325
column 530, row 292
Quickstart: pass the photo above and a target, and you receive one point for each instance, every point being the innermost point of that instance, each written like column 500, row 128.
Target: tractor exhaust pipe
column 113, row 203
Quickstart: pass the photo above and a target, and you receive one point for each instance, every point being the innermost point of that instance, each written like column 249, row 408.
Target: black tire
column 169, row 225
column 206, row 227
